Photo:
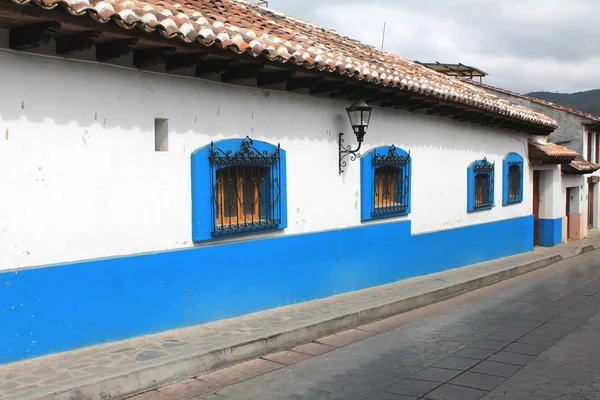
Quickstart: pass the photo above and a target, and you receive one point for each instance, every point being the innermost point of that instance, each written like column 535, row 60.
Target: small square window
column 161, row 134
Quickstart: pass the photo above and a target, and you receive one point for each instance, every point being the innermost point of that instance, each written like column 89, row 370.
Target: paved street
column 533, row 337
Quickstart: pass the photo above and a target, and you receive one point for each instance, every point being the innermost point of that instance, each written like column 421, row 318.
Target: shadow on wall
column 90, row 95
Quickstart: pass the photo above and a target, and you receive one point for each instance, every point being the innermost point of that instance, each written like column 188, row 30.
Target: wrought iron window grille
column 391, row 158
column 484, row 184
column 246, row 189
column 391, row 186
column 515, row 175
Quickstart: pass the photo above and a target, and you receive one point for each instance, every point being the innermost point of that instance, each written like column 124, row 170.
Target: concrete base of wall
column 575, row 231
column 550, row 231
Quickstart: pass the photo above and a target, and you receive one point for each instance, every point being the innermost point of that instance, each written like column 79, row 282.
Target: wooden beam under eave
column 327, row 86
column 274, row 78
column 379, row 96
column 305, row 82
column 145, row 58
column 182, row 61
column 444, row 110
column 346, row 91
column 465, row 116
column 32, row 36
column 420, row 105
column 365, row 94
column 76, row 42
column 207, row 67
column 242, row 72
column 396, row 102
column 114, row 49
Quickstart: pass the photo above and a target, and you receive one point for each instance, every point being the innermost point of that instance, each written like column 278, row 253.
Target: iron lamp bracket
column 345, row 151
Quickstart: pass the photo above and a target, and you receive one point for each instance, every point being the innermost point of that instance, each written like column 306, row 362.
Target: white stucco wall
column 81, row 179
column 596, row 206
column 552, row 195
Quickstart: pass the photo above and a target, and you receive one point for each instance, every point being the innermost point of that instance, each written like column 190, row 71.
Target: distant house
column 576, row 193
column 164, row 165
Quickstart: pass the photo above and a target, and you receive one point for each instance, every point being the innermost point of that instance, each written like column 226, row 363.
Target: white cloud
column 525, row 45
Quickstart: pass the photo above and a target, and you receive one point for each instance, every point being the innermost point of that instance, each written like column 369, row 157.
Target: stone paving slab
column 135, row 365
column 570, row 369
column 408, row 361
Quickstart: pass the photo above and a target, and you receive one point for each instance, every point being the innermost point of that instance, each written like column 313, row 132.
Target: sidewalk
column 122, row 369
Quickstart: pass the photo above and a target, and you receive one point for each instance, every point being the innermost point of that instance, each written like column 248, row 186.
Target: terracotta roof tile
column 243, row 27
column 554, row 150
column 595, row 118
column 581, row 165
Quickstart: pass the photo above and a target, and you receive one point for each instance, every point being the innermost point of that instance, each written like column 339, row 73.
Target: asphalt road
column 533, row 337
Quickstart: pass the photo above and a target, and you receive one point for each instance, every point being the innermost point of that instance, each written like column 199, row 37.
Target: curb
column 129, row 381
column 585, row 249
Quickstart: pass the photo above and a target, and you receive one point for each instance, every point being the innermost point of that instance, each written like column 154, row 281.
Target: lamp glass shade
column 359, row 114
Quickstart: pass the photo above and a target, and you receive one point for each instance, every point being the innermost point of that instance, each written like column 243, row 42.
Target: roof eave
column 508, row 118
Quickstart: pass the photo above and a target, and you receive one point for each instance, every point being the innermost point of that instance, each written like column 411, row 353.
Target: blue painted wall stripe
column 57, row 308
column 550, row 232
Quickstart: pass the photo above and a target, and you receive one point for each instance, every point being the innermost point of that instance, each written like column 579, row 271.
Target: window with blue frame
column 385, row 183
column 480, row 176
column 512, row 179
column 238, row 186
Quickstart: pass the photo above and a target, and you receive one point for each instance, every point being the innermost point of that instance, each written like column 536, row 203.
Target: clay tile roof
column 554, row 150
column 579, row 165
column 595, row 118
column 240, row 27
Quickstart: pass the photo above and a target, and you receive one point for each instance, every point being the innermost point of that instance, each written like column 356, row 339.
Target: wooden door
column 590, row 204
column 536, row 206
column 568, row 212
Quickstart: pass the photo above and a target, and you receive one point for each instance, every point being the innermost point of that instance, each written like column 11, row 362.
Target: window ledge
column 236, row 229
column 482, row 208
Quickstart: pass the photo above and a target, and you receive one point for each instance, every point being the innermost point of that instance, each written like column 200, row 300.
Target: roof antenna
column 383, row 36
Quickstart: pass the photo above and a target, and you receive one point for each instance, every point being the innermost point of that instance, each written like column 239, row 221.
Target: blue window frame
column 385, row 183
column 238, row 186
column 480, row 180
column 512, row 179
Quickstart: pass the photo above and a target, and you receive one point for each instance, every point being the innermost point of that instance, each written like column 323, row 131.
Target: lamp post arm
column 345, row 151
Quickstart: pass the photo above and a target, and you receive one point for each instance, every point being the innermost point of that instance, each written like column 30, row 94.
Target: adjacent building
column 166, row 165
column 572, row 185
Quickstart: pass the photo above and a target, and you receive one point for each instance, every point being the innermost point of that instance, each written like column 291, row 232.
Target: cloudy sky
column 524, row 45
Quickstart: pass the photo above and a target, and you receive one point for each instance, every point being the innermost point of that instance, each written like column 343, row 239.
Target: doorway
column 536, row 207
column 568, row 212
column 590, row 205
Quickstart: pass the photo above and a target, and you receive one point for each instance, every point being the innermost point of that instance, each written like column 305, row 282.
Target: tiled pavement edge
column 121, row 369
column 499, row 364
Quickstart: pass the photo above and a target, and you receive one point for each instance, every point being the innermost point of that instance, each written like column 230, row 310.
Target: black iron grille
column 484, row 184
column 514, row 182
column 391, row 183
column 246, row 189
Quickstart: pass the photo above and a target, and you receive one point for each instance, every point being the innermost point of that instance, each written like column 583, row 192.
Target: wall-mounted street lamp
column 360, row 114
